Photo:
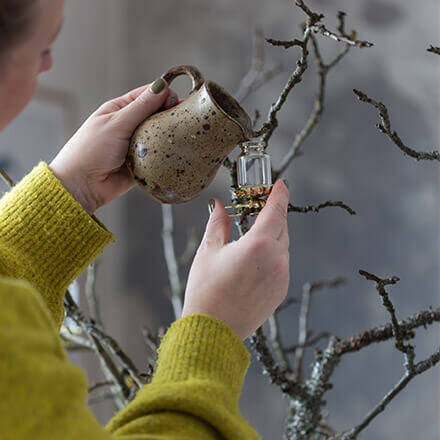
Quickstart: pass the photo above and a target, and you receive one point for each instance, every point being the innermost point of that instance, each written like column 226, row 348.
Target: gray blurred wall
column 108, row 47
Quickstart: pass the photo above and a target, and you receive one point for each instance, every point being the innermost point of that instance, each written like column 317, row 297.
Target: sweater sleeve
column 197, row 384
column 46, row 237
column 193, row 396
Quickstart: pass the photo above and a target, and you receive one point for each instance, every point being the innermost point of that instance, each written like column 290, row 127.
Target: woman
column 49, row 235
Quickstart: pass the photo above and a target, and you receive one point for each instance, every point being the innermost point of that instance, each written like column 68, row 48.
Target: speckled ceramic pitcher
column 176, row 153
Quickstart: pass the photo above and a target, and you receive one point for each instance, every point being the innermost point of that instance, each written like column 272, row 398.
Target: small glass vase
column 253, row 166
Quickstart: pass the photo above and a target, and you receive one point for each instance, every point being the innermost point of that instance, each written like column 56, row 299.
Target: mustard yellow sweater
column 46, row 241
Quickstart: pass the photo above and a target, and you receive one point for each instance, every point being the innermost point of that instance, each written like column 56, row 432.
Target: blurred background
column 110, row 46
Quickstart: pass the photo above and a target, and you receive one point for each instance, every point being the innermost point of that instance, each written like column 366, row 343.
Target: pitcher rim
column 248, row 136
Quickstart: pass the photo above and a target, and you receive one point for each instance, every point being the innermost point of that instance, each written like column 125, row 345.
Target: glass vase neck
column 253, row 146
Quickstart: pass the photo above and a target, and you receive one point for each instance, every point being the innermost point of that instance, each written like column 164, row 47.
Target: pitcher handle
column 194, row 73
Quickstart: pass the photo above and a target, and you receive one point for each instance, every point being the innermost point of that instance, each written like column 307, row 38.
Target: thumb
column 147, row 103
column 219, row 225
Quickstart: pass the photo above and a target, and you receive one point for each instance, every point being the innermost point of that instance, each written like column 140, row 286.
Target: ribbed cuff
column 202, row 347
column 49, row 237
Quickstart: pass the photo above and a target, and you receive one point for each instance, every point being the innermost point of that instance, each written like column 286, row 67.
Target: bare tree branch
column 271, row 124
column 399, row 334
column 107, row 341
column 412, row 369
column 74, row 342
column 277, row 345
column 311, row 25
column 257, row 75
column 308, row 290
column 287, row 302
column 98, row 385
column 313, row 17
column 306, row 414
column 91, row 296
column 434, row 49
column 318, row 107
column 176, row 286
column 111, row 373
column 317, row 208
column 277, row 376
column 385, row 332
column 321, row 29
column 310, row 341
column 385, row 128
column 419, row 368
column 151, row 341
column 4, row 175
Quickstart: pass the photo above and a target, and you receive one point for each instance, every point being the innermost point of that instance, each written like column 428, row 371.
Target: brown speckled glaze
column 175, row 154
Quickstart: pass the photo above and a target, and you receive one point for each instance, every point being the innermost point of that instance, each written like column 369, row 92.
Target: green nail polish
column 211, row 206
column 157, row 86
column 286, row 182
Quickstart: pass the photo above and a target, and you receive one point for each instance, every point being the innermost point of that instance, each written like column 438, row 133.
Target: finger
column 119, row 103
column 172, row 100
column 147, row 103
column 273, row 217
column 218, row 227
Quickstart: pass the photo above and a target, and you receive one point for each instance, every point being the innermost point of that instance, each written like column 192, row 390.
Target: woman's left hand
column 91, row 166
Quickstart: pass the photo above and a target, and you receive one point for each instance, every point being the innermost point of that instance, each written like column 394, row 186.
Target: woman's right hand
column 243, row 282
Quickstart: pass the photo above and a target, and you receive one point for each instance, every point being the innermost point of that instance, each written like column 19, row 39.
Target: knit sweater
column 46, row 241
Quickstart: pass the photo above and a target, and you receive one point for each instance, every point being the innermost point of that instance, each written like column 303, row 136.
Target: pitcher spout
column 231, row 108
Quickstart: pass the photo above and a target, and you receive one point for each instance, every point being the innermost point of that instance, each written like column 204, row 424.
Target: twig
column 277, row 345
column 287, row 44
column 288, row 302
column 385, row 128
column 110, row 370
column 90, row 328
column 270, row 367
column 419, row 368
column 74, row 342
column 434, row 49
column 399, row 333
column 306, row 413
column 341, row 19
column 311, row 25
column 257, row 75
column 380, row 287
column 321, row 29
column 171, row 261
column 313, row 17
column 318, row 106
column 308, row 290
column 311, row 340
column 98, row 385
column 385, row 332
column 151, row 341
column 4, row 175
column 90, row 291
column 317, row 208
column 271, row 124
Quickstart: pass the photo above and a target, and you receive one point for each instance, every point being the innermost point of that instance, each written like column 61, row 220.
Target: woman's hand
column 91, row 165
column 243, row 282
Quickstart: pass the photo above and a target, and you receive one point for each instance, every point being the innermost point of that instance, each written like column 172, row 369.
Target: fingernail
column 286, row 182
column 157, row 86
column 211, row 206
column 173, row 101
